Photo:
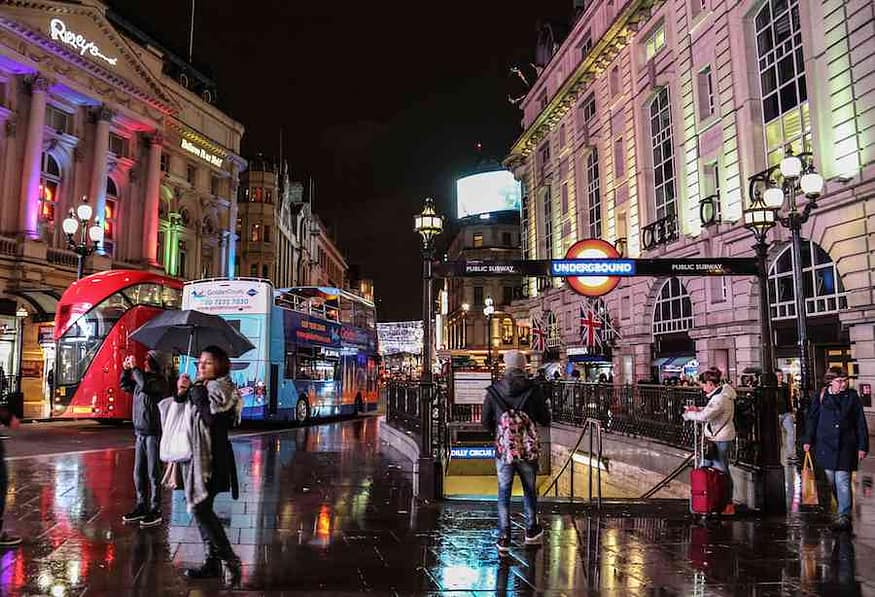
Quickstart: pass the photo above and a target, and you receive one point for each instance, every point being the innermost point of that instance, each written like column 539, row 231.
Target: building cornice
column 201, row 139
column 602, row 55
column 158, row 97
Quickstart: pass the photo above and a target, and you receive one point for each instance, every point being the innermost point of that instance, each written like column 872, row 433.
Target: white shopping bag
column 176, row 430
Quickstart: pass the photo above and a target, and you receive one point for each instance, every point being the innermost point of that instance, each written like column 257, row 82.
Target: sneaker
column 729, row 510
column 7, row 540
column 503, row 545
column 152, row 519
column 535, row 535
column 138, row 513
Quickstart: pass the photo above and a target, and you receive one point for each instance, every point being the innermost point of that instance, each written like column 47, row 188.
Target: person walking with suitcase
column 836, row 428
column 148, row 388
column 718, row 416
column 512, row 408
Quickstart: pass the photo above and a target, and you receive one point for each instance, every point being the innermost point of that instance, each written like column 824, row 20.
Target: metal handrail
column 593, row 427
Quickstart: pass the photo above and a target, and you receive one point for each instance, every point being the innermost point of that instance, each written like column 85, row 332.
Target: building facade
column 94, row 110
column 643, row 128
column 465, row 327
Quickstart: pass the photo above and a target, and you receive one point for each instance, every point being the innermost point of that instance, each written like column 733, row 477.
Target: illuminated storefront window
column 50, row 181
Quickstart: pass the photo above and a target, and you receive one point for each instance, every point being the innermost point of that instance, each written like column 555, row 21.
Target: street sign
column 560, row 268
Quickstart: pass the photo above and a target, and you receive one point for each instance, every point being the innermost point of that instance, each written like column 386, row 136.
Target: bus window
column 80, row 343
column 171, row 298
column 316, row 369
column 144, row 294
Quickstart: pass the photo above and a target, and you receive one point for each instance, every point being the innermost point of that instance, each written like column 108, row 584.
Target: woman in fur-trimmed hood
column 216, row 407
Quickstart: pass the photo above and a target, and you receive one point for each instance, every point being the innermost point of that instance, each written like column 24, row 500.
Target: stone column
column 28, row 210
column 97, row 188
column 152, row 202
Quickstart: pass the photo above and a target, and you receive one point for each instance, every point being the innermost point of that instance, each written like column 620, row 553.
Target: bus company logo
column 251, row 292
column 589, row 258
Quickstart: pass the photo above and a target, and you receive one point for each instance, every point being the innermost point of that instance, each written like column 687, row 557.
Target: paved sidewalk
column 323, row 510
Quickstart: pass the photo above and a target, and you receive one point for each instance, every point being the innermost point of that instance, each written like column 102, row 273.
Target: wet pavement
column 324, row 510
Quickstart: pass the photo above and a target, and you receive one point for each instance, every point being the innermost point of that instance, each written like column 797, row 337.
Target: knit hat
column 153, row 359
column 514, row 359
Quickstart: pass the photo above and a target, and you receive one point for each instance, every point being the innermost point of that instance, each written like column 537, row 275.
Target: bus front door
column 274, row 388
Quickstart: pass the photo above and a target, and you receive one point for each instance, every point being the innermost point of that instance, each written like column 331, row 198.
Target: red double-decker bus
column 92, row 323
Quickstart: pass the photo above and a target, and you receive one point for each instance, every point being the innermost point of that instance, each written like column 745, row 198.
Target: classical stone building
column 93, row 108
column 643, row 128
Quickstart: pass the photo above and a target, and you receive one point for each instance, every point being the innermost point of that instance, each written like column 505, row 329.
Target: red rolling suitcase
column 709, row 486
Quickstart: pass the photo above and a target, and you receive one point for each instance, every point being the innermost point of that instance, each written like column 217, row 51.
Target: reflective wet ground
column 324, row 509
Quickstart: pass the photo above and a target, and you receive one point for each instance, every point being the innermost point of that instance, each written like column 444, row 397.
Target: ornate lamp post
column 428, row 224
column 798, row 179
column 488, row 311
column 79, row 221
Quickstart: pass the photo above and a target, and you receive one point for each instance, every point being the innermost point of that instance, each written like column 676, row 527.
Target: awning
column 678, row 363
column 42, row 303
column 588, row 358
column 660, row 362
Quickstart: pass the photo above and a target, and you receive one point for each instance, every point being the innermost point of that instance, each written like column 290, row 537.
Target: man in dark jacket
column 11, row 421
column 515, row 391
column 837, row 430
column 148, row 388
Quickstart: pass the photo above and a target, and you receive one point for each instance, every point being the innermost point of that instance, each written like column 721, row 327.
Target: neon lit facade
column 695, row 97
column 91, row 107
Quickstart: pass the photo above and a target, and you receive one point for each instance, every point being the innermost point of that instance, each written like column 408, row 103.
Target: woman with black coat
column 837, row 430
column 216, row 407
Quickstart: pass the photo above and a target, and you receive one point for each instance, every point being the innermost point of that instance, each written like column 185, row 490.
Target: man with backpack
column 513, row 408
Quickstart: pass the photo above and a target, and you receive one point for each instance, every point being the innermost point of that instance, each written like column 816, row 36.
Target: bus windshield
column 79, row 344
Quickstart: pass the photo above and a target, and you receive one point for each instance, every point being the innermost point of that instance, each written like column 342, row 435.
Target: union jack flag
column 591, row 327
column 539, row 335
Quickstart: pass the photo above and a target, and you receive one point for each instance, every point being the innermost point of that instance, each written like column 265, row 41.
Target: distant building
column 643, row 129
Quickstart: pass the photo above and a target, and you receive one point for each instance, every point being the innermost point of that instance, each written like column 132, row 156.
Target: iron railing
column 404, row 403
column 651, row 412
column 661, row 232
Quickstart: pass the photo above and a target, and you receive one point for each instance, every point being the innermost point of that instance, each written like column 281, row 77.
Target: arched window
column 110, row 215
column 822, row 285
column 507, row 329
column 50, row 182
column 674, row 309
column 782, row 77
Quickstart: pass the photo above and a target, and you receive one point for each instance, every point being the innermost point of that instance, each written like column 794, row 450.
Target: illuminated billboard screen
column 487, row 192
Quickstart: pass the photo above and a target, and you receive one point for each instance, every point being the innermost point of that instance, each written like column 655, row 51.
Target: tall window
column 705, row 84
column 253, row 270
column 822, row 285
column 58, row 119
column 619, row 160
column 524, row 239
column 593, row 191
column 161, row 244
column 255, row 233
column 478, row 295
column 782, row 78
column 119, row 145
column 506, row 295
column 478, row 240
column 663, row 156
column 674, row 309
column 191, row 174
column 50, row 181
column 110, row 215
column 614, row 81
column 585, row 45
column 548, row 223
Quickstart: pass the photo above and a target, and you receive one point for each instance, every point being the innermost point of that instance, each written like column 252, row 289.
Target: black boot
column 234, row 571
column 211, row 568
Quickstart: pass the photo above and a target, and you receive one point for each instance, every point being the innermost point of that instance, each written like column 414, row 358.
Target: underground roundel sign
column 594, row 249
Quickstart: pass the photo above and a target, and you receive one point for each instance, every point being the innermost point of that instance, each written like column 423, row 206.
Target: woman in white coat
column 718, row 416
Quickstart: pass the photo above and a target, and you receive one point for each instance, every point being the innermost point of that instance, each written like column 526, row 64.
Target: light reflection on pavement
column 323, row 509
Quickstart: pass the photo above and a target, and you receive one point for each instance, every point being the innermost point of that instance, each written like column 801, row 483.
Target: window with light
column 673, row 311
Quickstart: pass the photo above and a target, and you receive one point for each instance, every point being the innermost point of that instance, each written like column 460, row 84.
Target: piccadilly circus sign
column 588, row 259
column 60, row 33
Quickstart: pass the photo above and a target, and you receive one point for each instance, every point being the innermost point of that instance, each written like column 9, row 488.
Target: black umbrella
column 189, row 332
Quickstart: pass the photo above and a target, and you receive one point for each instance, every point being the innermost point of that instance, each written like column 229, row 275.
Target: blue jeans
column 721, row 462
column 528, row 472
column 147, row 471
column 840, row 481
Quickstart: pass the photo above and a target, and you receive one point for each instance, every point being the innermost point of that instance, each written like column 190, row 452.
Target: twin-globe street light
column 428, row 224
column 769, row 196
column 80, row 221
column 488, row 311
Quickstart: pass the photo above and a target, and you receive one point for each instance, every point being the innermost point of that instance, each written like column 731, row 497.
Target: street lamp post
column 767, row 197
column 488, row 311
column 428, row 224
column 79, row 223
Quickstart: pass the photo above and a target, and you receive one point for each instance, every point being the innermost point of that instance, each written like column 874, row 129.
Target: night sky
column 381, row 102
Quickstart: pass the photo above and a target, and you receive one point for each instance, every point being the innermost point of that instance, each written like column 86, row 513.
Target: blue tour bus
column 315, row 349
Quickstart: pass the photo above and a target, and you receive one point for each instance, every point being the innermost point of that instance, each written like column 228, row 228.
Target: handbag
column 809, row 483
column 176, row 430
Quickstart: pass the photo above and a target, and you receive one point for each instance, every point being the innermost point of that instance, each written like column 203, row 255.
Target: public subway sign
column 200, row 152
column 60, row 33
column 592, row 267
column 472, row 452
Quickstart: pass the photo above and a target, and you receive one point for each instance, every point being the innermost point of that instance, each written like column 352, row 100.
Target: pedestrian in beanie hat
column 514, row 359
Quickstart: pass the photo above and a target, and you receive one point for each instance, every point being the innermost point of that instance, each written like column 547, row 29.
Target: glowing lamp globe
column 773, row 198
column 811, row 183
column 791, row 167
column 428, row 223
column 95, row 233
column 70, row 225
column 83, row 212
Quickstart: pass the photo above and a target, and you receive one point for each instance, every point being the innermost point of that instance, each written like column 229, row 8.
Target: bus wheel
column 302, row 411
column 359, row 405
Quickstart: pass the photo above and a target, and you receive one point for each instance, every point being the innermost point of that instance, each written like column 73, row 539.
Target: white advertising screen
column 222, row 297
column 487, row 192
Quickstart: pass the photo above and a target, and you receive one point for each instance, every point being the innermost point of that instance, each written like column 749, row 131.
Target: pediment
column 81, row 34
